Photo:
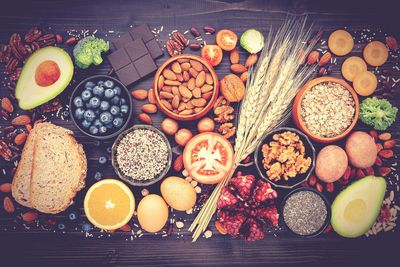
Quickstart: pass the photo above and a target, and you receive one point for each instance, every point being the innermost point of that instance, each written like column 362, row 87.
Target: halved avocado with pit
column 44, row 76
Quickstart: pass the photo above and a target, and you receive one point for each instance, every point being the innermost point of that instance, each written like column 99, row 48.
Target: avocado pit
column 47, row 73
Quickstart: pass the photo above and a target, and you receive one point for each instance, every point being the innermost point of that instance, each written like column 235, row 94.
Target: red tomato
column 226, row 39
column 208, row 158
column 212, row 53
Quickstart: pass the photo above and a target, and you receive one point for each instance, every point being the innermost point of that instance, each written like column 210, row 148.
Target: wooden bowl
column 210, row 103
column 297, row 108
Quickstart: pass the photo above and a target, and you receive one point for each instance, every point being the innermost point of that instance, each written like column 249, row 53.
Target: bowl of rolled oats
column 326, row 109
column 141, row 155
column 285, row 157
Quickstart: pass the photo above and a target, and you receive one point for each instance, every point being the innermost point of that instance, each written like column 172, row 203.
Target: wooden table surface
column 21, row 246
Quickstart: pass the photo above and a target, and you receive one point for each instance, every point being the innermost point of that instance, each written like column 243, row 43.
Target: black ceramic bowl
column 299, row 178
column 328, row 214
column 124, row 93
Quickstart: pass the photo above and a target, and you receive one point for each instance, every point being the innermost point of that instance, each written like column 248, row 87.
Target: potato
column 331, row 163
column 178, row 193
column 361, row 150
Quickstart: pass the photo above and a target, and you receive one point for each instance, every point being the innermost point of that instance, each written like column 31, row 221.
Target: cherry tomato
column 226, row 39
column 212, row 53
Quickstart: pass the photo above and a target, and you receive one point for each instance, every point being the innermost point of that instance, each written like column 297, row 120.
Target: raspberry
column 264, row 192
column 244, row 185
column 252, row 230
column 269, row 215
column 232, row 221
column 226, row 199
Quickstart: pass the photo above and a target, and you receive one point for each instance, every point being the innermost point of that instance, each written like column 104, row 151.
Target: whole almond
column 7, row 105
column 179, row 77
column 29, row 216
column 183, row 60
column 166, row 104
column 161, row 80
column 169, row 74
column 313, row 57
column 186, row 76
column 238, row 68
column 197, row 110
column 175, row 91
column 196, row 65
column 385, row 136
column 196, row 92
column 251, row 60
column 386, row 153
column 149, row 108
column 176, row 67
column 185, row 66
column 20, row 138
column 185, row 92
column 178, row 163
column 172, row 83
column 325, row 59
column 206, row 88
column 191, row 83
column 193, row 72
column 199, row 102
column 200, row 79
column 21, row 120
column 166, row 95
column 207, row 96
column 8, row 205
column 186, row 112
column 189, row 105
column 167, row 88
column 244, row 76
column 175, row 102
column 141, row 94
column 209, row 79
column 5, row 188
column 182, row 106
column 143, row 117
column 391, row 43
column 234, row 56
column 389, row 144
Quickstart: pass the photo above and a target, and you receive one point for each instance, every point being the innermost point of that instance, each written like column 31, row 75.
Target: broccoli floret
column 378, row 113
column 88, row 50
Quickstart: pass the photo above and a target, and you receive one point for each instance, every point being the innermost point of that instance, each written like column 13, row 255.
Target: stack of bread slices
column 51, row 171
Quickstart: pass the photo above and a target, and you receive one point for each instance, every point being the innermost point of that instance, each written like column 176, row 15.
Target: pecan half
column 5, row 151
column 33, row 34
column 180, row 37
column 11, row 65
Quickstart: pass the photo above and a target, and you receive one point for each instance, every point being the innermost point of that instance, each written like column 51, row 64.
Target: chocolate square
column 145, row 65
column 136, row 49
column 128, row 74
column 119, row 59
column 154, row 48
column 122, row 41
column 143, row 32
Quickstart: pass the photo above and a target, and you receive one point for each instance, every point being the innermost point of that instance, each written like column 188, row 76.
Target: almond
column 143, row 117
column 175, row 102
column 7, row 105
column 389, row 144
column 234, row 56
column 191, row 83
column 141, row 94
column 384, row 171
column 196, row 65
column 379, row 147
column 166, row 104
column 385, row 136
column 378, row 161
column 167, row 88
column 391, row 43
column 21, row 120
column 196, row 92
column 150, row 96
column 313, row 57
column 125, row 228
column 178, row 163
column 244, row 76
column 20, row 138
column 166, row 95
column 220, row 228
column 5, row 188
column 8, row 205
column 149, row 108
column 199, row 102
column 197, row 110
column 206, row 88
column 185, row 92
column 172, row 82
column 325, row 59
column 176, row 67
column 209, row 79
column 207, row 96
column 386, row 153
column 200, row 79
column 193, row 72
column 186, row 112
column 251, row 60
column 175, row 91
column 302, row 57
column 185, row 76
column 238, row 68
column 179, row 77
column 169, row 74
column 161, row 80
column 29, row 216
column 182, row 106
column 185, row 66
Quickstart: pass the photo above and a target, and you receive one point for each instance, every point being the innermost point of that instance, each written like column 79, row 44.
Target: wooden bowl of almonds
column 326, row 109
column 185, row 87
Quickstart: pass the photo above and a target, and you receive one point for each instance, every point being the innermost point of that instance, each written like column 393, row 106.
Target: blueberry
column 89, row 84
column 93, row 130
column 114, row 110
column 79, row 113
column 86, row 95
column 123, row 101
column 78, row 102
column 115, row 100
column 97, row 123
column 109, row 93
column 98, row 91
column 89, row 115
column 96, row 142
column 124, row 109
column 65, row 113
column 61, row 226
column 102, row 160
column 109, row 84
column 87, row 227
column 103, row 129
column 117, row 90
column 117, row 122
column 94, row 102
column 106, row 117
column 73, row 216
column 86, row 124
column 109, row 149
column 100, row 83
column 104, row 105
column 98, row 176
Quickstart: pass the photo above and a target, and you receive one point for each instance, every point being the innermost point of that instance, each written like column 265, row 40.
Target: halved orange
column 109, row 204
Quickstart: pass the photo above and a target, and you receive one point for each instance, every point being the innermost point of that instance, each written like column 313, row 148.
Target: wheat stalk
column 270, row 89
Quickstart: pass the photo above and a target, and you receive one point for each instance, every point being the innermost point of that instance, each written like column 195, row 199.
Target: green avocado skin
column 31, row 95
column 372, row 190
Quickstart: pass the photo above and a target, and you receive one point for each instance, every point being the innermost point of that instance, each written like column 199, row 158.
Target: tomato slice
column 208, row 158
column 212, row 53
column 226, row 39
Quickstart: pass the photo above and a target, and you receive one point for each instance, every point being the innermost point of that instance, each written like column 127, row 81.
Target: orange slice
column 365, row 83
column 375, row 53
column 109, row 204
column 340, row 42
column 352, row 66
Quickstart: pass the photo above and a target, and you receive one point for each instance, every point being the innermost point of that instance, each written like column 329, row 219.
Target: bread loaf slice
column 58, row 169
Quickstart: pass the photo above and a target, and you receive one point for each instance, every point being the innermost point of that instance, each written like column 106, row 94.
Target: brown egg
column 152, row 213
column 178, row 193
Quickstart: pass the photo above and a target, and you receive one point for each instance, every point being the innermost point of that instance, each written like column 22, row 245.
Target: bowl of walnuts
column 285, row 157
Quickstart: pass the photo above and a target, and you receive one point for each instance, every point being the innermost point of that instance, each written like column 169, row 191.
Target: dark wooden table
column 22, row 246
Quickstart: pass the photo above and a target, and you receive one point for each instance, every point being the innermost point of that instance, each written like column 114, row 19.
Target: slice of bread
column 59, row 169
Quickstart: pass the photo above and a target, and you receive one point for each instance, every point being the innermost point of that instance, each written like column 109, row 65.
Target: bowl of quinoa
column 326, row 109
column 141, row 155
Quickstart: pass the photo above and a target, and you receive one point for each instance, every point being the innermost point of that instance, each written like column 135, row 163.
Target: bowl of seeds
column 305, row 212
column 326, row 109
column 141, row 155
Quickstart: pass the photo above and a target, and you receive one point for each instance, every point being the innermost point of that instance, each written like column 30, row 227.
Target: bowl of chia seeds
column 141, row 155
column 305, row 212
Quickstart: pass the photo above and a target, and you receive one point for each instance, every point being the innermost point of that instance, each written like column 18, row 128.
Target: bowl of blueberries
column 101, row 106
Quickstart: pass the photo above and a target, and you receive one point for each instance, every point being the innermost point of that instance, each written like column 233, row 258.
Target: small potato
column 331, row 163
column 361, row 150
column 178, row 193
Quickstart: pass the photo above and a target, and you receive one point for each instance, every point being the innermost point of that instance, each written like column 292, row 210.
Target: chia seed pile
column 142, row 154
column 304, row 213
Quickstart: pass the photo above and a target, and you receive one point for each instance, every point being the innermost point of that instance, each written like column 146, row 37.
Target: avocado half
column 28, row 92
column 356, row 208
